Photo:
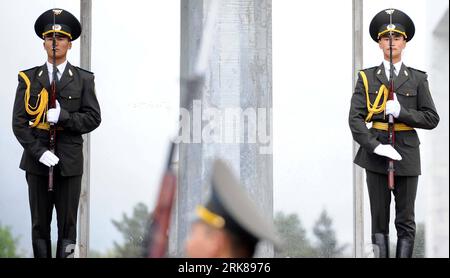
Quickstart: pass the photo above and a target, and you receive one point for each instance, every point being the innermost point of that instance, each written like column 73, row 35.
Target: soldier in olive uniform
column 411, row 108
column 230, row 225
column 77, row 112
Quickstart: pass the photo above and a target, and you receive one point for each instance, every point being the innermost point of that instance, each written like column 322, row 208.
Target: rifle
column 391, row 124
column 52, row 104
column 156, row 239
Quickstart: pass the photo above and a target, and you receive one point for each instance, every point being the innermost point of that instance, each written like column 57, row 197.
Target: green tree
column 133, row 229
column 293, row 235
column 327, row 243
column 8, row 244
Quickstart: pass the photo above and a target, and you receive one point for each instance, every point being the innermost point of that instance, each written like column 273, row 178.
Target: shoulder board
column 421, row 71
column 84, row 70
column 368, row 69
column 30, row 69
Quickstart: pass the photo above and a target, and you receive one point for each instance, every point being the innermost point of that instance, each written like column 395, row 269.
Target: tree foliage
column 132, row 229
column 293, row 235
column 296, row 242
column 327, row 246
column 8, row 243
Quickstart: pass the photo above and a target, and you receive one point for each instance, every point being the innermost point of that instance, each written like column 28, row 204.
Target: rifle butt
column 50, row 178
column 391, row 175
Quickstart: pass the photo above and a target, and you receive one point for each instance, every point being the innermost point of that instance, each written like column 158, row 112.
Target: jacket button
column 70, row 97
column 407, row 94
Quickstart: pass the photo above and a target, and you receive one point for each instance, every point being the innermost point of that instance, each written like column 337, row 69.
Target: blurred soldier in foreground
column 229, row 225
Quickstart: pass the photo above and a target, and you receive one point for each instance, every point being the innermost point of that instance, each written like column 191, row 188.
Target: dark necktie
column 57, row 75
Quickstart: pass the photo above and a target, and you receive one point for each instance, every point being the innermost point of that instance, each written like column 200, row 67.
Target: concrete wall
column 436, row 149
column 238, row 78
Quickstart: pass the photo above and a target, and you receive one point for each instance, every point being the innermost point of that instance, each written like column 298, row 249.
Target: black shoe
column 404, row 248
column 381, row 241
column 65, row 248
column 42, row 248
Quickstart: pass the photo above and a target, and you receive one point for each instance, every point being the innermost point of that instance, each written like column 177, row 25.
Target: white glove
column 49, row 159
column 53, row 114
column 388, row 151
column 393, row 107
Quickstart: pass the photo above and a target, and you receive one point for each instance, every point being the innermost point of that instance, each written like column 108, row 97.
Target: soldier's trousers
column 64, row 197
column 380, row 199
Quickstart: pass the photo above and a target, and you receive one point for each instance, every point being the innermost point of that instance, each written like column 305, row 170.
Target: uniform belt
column 397, row 127
column 46, row 126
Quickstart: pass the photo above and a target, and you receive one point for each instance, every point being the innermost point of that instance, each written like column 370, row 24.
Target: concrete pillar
column 230, row 114
column 358, row 172
column 436, row 182
column 85, row 62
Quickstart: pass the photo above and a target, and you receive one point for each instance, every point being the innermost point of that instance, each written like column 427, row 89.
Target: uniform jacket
column 417, row 111
column 80, row 114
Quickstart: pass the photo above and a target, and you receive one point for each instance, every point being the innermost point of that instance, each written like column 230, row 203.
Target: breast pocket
column 373, row 93
column 71, row 101
column 407, row 98
column 35, row 104
column 35, row 97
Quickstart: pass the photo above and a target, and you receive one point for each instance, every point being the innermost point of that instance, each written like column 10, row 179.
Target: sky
column 135, row 58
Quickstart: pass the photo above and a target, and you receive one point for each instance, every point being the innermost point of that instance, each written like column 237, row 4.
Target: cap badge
column 390, row 11
column 390, row 27
column 56, row 27
column 57, row 12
